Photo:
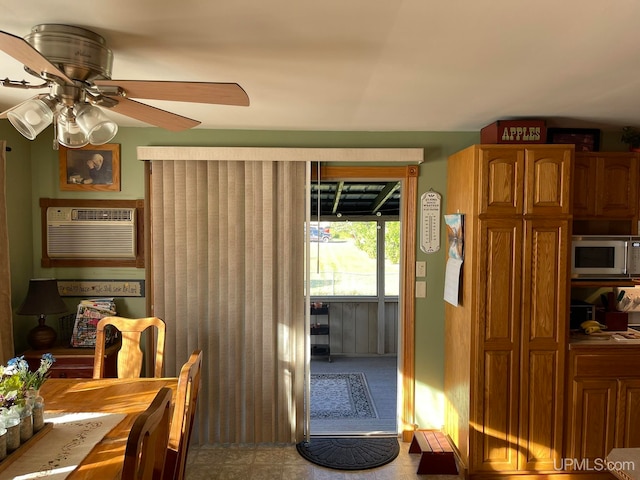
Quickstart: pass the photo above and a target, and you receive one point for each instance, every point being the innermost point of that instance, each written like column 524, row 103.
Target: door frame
column 408, row 175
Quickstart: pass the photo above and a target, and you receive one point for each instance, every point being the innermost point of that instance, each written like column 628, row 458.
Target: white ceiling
column 368, row 65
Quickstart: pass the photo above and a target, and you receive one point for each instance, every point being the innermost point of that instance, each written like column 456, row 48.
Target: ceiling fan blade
column 4, row 114
column 195, row 92
column 22, row 51
column 153, row 116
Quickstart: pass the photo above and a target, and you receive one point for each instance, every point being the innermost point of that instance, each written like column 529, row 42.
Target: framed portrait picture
column 94, row 167
column 585, row 139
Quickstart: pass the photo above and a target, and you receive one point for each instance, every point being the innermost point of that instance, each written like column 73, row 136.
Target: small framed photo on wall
column 94, row 167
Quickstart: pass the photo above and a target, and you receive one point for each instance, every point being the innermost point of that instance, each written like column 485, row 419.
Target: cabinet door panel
column 627, row 431
column 546, row 289
column 545, row 294
column 584, row 187
column 500, row 273
column 492, row 442
column 495, row 407
column 617, row 194
column 541, row 410
column 593, row 419
column 501, row 181
column 547, row 177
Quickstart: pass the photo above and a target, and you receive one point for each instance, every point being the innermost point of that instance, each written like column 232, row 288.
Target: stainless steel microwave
column 605, row 257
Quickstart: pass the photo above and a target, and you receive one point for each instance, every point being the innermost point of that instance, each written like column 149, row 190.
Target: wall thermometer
column 430, row 221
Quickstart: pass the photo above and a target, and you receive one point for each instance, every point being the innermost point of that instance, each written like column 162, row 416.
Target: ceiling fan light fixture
column 76, row 64
column 31, row 117
column 98, row 128
column 70, row 134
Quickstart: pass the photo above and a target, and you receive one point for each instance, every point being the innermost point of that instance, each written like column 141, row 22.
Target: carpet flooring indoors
column 380, row 373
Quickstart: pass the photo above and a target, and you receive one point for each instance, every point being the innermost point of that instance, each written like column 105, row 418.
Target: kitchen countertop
column 604, row 338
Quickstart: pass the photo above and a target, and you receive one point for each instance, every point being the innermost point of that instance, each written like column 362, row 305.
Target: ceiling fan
column 75, row 64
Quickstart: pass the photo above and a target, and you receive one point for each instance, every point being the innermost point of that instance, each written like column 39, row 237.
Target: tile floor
column 283, row 462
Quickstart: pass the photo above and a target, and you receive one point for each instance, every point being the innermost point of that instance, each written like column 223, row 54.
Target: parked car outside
column 324, row 235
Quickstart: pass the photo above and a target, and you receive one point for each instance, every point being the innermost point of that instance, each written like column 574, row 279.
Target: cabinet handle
column 62, row 375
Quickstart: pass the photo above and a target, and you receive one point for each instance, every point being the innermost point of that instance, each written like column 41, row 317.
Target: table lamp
column 42, row 299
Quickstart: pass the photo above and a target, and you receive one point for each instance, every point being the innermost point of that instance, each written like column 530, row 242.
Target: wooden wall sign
column 101, row 288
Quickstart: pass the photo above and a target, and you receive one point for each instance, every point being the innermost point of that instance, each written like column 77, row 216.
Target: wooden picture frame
column 585, row 139
column 94, row 167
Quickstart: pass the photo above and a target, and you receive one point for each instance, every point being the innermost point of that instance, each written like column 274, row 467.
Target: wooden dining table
column 124, row 396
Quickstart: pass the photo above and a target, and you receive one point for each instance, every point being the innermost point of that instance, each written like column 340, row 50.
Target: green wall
column 32, row 172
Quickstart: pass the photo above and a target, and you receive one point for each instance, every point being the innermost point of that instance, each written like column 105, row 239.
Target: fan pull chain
column 56, row 145
column 318, row 218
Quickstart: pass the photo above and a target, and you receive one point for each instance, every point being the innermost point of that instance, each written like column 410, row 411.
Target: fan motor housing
column 80, row 53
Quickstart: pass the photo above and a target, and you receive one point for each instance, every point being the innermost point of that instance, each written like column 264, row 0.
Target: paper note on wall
column 452, row 281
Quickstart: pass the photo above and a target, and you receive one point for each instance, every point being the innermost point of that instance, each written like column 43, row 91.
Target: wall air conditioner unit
column 78, row 232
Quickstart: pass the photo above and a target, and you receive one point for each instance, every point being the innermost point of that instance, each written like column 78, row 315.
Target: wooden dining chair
column 146, row 448
column 183, row 416
column 130, row 356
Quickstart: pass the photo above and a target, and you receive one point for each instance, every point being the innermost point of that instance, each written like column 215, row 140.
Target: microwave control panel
column 633, row 259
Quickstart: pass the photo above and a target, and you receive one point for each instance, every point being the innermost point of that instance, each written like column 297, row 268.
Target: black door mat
column 350, row 453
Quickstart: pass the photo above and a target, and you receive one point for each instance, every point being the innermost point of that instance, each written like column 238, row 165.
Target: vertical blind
column 228, row 277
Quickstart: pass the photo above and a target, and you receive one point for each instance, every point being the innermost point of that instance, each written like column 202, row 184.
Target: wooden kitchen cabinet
column 605, row 188
column 628, row 414
column 505, row 341
column 584, row 186
column 594, row 418
column 516, row 181
column 545, row 299
column 603, row 400
column 494, row 410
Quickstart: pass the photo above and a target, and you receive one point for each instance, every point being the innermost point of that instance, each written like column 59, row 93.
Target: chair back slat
column 183, row 417
column 130, row 356
column 146, row 448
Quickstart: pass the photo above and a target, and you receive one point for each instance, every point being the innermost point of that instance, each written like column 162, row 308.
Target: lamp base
column 42, row 337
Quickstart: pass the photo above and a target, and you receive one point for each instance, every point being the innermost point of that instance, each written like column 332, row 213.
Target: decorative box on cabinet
column 74, row 362
column 320, row 329
column 505, row 342
column 605, row 193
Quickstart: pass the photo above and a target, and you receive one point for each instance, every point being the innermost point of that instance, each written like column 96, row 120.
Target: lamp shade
column 31, row 117
column 42, row 298
column 70, row 134
column 95, row 124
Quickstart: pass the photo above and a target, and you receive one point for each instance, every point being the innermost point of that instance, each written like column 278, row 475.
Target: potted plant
column 631, row 136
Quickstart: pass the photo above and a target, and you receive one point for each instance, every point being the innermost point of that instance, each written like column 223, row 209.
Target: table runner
column 624, row 463
column 61, row 450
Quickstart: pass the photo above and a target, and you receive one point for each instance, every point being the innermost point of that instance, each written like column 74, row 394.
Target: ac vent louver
column 104, row 215
column 91, row 233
